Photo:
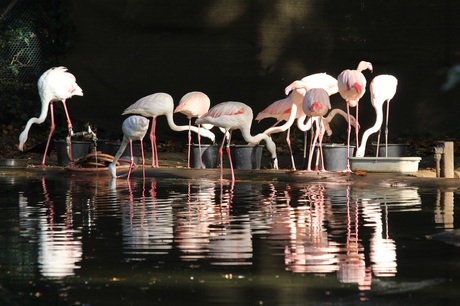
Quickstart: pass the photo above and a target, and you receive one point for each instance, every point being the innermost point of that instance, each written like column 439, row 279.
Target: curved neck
column 305, row 125
column 258, row 138
column 33, row 120
column 334, row 112
column 286, row 125
column 179, row 128
column 375, row 128
column 172, row 124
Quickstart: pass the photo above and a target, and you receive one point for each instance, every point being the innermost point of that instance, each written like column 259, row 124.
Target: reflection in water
column 59, row 240
column 310, row 249
column 319, row 219
column 444, row 209
column 340, row 231
column 146, row 223
column 382, row 248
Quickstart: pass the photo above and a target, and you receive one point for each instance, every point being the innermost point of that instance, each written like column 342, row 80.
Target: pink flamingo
column 55, row 84
column 316, row 104
column 317, row 80
column 306, row 125
column 281, row 110
column 134, row 128
column 161, row 104
column 194, row 104
column 236, row 116
column 382, row 88
column 352, row 86
column 290, row 108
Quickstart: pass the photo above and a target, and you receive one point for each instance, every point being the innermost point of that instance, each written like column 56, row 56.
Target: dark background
column 249, row 50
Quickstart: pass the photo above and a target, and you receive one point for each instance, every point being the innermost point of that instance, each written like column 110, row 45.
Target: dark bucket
column 111, row 148
column 247, row 156
column 209, row 153
column 394, row 149
column 79, row 149
column 335, row 156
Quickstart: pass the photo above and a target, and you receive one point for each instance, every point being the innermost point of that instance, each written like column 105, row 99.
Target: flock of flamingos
column 307, row 102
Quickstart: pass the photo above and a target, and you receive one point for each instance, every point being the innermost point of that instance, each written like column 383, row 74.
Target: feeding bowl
column 247, row 156
column 12, row 162
column 209, row 156
column 385, row 164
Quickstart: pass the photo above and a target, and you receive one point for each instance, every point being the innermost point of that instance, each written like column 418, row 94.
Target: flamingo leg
column 356, row 126
column 153, row 141
column 288, row 141
column 312, row 148
column 189, row 141
column 143, row 159
column 347, row 169
column 386, row 129
column 52, row 127
column 221, row 153
column 321, row 135
column 131, row 160
column 69, row 123
column 69, row 128
column 230, row 156
column 305, row 139
column 199, row 147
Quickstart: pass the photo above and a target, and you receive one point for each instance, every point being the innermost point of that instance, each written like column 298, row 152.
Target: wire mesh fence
column 26, row 50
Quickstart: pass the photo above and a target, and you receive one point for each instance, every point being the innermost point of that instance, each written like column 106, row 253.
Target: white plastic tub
column 385, row 164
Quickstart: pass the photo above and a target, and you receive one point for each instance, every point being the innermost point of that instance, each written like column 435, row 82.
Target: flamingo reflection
column 207, row 228
column 352, row 267
column 382, row 252
column 146, row 222
column 193, row 226
column 60, row 246
column 310, row 249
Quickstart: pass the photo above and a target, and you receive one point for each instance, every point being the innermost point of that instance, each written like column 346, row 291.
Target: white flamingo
column 134, row 128
column 382, row 88
column 55, row 84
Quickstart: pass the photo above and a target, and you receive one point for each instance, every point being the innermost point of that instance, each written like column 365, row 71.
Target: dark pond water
column 79, row 239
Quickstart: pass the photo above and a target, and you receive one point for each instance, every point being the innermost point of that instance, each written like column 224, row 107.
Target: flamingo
column 281, row 110
column 306, row 125
column 194, row 104
column 134, row 128
column 352, row 86
column 317, row 80
column 159, row 104
column 382, row 88
column 235, row 116
column 55, row 84
column 290, row 108
column 316, row 104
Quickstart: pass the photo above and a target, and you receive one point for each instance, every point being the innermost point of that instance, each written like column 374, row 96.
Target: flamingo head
column 363, row 65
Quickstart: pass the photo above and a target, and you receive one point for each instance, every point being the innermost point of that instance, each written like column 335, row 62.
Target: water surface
column 86, row 239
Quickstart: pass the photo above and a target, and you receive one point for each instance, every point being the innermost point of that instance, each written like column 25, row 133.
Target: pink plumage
column 236, row 116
